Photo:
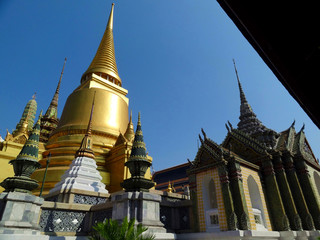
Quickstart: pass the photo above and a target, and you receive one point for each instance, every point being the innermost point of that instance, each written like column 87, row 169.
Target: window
column 256, row 203
column 212, row 195
column 210, row 205
column 214, row 219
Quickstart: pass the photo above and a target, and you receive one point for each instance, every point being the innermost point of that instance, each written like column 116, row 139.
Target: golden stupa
column 111, row 129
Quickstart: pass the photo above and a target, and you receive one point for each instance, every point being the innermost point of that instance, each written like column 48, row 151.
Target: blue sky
column 174, row 58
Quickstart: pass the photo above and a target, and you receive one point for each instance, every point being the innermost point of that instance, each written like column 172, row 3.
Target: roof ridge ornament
column 204, row 134
column 201, row 140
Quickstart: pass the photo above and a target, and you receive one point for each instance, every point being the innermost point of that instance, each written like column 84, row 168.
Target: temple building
column 256, row 179
column 174, row 179
column 96, row 167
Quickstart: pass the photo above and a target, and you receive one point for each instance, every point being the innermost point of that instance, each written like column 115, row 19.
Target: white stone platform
column 227, row 235
column 251, row 235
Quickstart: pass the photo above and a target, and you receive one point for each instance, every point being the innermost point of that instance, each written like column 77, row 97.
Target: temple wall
column 246, row 173
column 211, row 173
column 315, row 179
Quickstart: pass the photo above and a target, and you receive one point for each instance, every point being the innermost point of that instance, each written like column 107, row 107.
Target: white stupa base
column 81, row 181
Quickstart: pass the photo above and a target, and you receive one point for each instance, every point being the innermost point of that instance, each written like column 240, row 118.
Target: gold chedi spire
column 104, row 63
column 109, row 118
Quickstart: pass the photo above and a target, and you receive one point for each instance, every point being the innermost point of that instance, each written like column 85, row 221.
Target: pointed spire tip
column 110, row 21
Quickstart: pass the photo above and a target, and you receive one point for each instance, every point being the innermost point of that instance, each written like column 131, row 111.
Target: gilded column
column 239, row 202
column 277, row 211
column 306, row 218
column 286, row 195
column 308, row 190
column 227, row 198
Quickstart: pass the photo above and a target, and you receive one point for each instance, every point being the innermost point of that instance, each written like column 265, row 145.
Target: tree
column 112, row 230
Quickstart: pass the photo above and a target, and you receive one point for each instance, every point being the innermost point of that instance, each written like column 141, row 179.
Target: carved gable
column 302, row 147
column 208, row 155
column 121, row 140
column 20, row 139
column 244, row 146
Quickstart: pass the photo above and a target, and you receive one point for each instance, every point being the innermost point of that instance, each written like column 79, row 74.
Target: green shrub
column 112, row 230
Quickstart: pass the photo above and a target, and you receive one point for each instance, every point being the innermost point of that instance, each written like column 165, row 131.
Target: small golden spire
column 104, row 63
column 89, row 129
column 169, row 190
column 129, row 134
column 54, row 101
column 86, row 144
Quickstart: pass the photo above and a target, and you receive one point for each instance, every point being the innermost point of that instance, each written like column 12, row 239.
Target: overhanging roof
column 285, row 35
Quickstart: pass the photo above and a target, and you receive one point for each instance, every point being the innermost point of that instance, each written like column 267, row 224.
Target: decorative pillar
column 138, row 164
column 236, row 186
column 286, row 195
column 279, row 218
column 19, row 210
column 306, row 218
column 308, row 190
column 227, row 198
column 194, row 199
column 137, row 201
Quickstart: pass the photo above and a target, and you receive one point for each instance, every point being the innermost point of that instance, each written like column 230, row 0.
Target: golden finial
column 169, row 190
column 110, row 21
column 129, row 134
column 104, row 63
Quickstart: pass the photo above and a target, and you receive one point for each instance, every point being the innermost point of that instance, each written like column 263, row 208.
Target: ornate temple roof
column 209, row 153
column 297, row 144
column 104, row 62
column 28, row 114
column 50, row 120
column 250, row 124
column 138, row 151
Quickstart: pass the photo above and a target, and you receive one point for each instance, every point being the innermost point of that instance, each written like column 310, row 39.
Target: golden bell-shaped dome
column 104, row 63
